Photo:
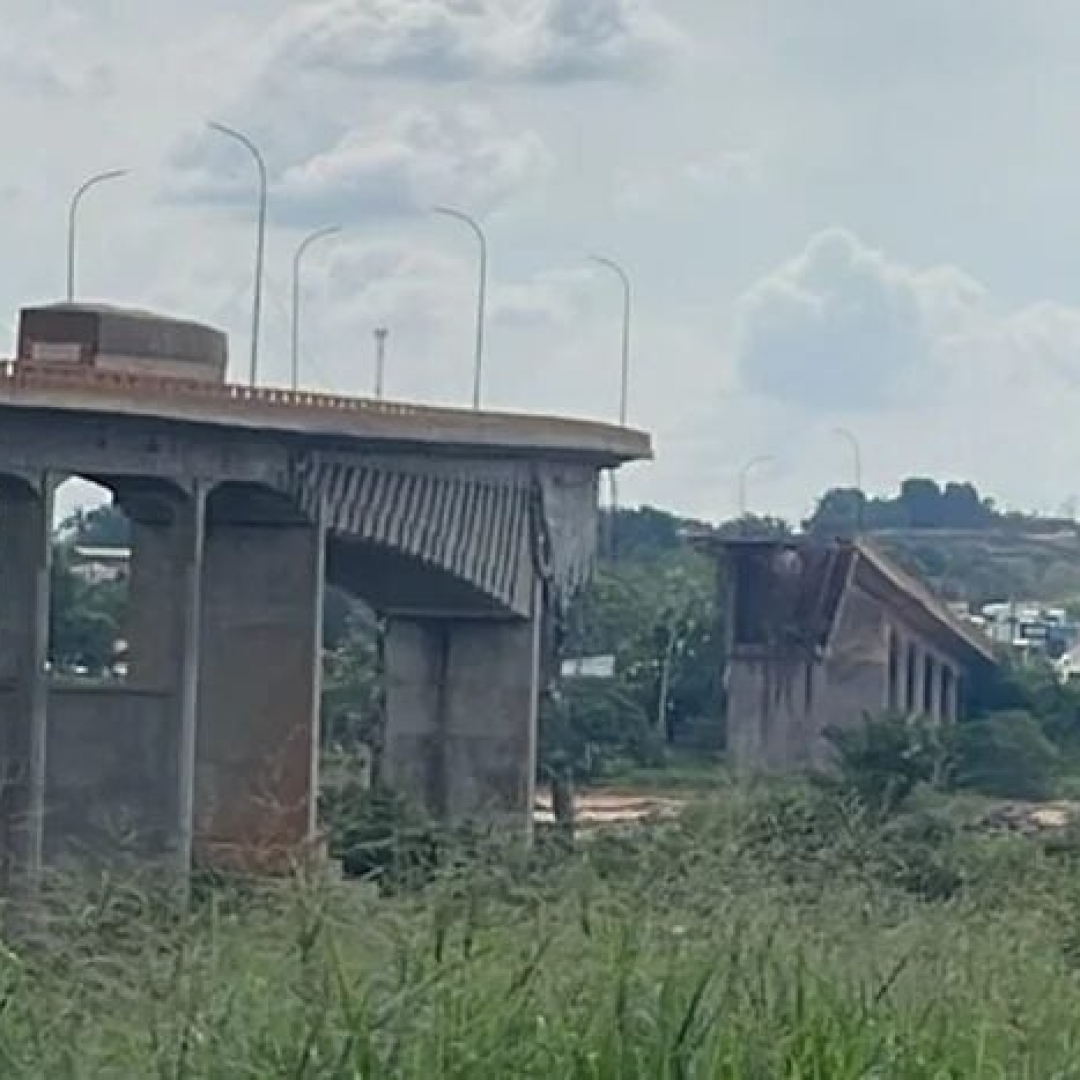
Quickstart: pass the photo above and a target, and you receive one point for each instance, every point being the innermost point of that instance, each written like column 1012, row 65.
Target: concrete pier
column 461, row 729
column 259, row 690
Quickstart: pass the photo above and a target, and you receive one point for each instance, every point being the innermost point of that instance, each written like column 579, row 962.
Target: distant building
column 1068, row 667
column 95, row 565
column 1030, row 627
column 825, row 634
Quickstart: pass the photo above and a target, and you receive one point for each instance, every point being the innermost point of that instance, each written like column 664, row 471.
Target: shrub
column 1006, row 755
column 883, row 759
column 918, row 853
column 374, row 833
column 591, row 726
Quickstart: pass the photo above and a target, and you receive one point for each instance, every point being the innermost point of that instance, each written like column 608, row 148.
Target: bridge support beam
column 461, row 726
column 25, row 565
column 256, row 775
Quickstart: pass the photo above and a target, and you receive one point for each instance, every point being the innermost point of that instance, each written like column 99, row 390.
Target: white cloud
column 557, row 40
column 842, row 326
column 38, row 70
column 399, row 164
column 418, row 158
column 711, row 176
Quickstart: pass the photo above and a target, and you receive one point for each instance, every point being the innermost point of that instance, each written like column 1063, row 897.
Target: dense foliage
column 654, row 609
column 87, row 616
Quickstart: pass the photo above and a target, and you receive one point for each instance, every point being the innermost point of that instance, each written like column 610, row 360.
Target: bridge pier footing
column 461, row 727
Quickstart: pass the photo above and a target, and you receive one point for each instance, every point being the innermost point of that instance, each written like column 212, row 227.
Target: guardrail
column 111, row 387
column 37, row 376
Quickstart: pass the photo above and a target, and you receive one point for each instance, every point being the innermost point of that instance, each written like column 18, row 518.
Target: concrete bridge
column 467, row 530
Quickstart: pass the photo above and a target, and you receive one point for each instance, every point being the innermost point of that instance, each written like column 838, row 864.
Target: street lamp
column 311, row 238
column 856, row 456
column 744, row 477
column 73, row 211
column 624, row 277
column 381, row 334
column 260, row 240
column 481, row 302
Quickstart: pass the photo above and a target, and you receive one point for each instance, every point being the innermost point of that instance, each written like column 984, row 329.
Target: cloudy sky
column 840, row 214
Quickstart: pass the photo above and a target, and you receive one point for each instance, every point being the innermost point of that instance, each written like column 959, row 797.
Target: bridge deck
column 34, row 386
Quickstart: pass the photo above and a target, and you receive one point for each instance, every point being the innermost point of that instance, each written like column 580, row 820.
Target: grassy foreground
column 766, row 935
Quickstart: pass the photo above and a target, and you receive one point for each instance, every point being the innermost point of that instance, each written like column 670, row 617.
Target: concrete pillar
column 163, row 633
column 461, row 727
column 25, row 565
column 916, row 656
column 256, row 775
column 952, row 694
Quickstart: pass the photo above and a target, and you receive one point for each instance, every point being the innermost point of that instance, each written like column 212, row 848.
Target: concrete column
column 952, row 700
column 25, row 565
column 918, row 683
column 256, row 774
column 163, row 632
column 193, row 533
column 461, row 728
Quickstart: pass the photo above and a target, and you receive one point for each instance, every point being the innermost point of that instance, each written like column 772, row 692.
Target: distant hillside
column 959, row 542
column 990, row 564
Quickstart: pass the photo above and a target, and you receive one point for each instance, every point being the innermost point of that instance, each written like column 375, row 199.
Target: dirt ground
column 611, row 807
column 1032, row 817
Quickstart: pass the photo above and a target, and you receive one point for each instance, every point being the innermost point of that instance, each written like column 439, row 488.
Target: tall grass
column 759, row 938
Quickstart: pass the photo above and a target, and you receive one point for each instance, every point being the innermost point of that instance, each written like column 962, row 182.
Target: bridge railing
column 37, row 376
column 147, row 390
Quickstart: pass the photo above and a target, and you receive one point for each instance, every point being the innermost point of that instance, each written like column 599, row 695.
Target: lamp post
column 624, row 278
column 481, row 301
column 381, row 335
column 260, row 241
column 856, row 456
column 744, row 478
column 73, row 213
column 302, row 247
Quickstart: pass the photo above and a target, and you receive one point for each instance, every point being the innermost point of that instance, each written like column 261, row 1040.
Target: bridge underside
column 207, row 753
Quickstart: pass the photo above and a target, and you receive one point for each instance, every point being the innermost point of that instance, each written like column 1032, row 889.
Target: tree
column 353, row 705
column 85, row 618
column 657, row 616
column 644, row 534
column 1007, row 755
column 101, row 526
column 837, row 513
column 963, row 509
column 922, row 502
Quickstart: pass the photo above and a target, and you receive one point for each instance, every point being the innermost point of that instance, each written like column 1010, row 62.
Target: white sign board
column 55, row 352
column 589, row 667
